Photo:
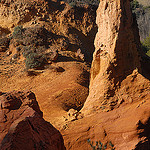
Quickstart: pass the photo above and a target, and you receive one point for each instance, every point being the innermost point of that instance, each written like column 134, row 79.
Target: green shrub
column 18, row 32
column 34, row 60
column 137, row 8
column 146, row 42
column 37, row 36
column 146, row 8
column 134, row 4
column 27, row 50
column 100, row 146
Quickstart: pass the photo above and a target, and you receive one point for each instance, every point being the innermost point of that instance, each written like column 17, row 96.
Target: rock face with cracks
column 22, row 125
column 118, row 106
column 115, row 71
column 62, row 38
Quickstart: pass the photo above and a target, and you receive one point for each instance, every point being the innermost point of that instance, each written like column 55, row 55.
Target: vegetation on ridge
column 138, row 10
column 31, row 42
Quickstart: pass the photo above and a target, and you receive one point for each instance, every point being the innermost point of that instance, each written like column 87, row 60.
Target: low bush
column 26, row 50
column 34, row 61
column 37, row 36
column 32, row 42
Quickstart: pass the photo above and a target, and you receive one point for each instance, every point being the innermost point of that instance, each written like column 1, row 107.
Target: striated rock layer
column 115, row 72
column 22, row 126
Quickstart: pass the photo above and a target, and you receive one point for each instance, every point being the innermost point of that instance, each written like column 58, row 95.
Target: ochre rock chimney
column 116, row 61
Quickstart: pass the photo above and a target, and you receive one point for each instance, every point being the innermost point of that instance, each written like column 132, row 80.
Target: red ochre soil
column 117, row 108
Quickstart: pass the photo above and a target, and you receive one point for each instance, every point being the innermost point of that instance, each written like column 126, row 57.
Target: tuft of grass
column 100, row 146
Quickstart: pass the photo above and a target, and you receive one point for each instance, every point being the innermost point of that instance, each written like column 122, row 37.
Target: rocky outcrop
column 143, row 20
column 117, row 108
column 62, row 37
column 22, row 125
column 115, row 72
column 126, row 127
column 73, row 28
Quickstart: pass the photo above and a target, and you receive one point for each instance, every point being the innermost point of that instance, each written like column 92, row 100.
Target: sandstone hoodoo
column 117, row 108
column 115, row 72
column 22, row 126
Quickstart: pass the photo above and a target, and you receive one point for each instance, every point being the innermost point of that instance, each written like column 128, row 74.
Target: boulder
column 22, row 126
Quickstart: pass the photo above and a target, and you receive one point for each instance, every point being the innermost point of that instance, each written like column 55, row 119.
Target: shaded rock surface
column 144, row 24
column 143, row 18
column 22, row 125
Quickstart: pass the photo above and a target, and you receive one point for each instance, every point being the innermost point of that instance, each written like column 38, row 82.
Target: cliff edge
column 116, row 71
column 117, row 108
